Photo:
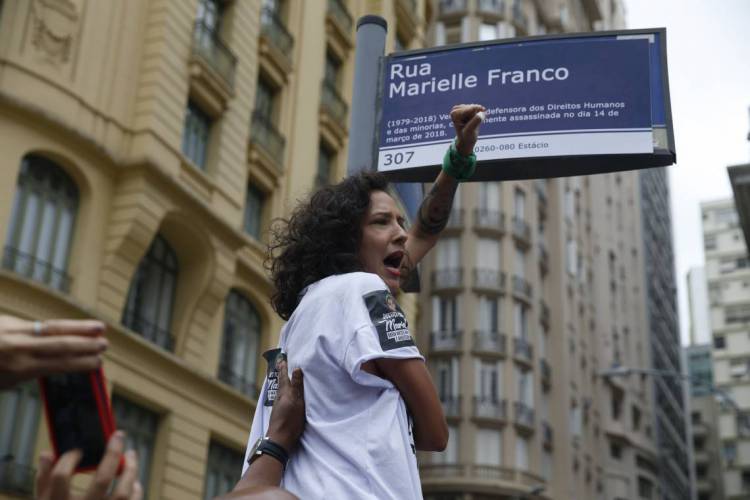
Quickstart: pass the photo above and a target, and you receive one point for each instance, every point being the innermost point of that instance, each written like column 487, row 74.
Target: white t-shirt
column 357, row 443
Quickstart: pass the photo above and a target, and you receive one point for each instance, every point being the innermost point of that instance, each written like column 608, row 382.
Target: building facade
column 536, row 287
column 146, row 147
column 704, row 419
column 728, row 278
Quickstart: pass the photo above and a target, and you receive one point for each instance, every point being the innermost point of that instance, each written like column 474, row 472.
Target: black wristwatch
column 264, row 446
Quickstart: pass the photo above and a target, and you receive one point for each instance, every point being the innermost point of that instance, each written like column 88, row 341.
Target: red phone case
column 98, row 387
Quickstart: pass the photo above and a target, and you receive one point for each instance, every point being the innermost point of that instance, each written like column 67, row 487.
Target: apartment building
column 536, row 287
column 147, row 145
column 704, row 417
column 726, row 257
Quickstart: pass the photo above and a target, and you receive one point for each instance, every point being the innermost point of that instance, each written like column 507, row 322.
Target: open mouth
column 393, row 261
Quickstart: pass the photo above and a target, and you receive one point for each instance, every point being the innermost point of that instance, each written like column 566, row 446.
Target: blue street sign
column 556, row 106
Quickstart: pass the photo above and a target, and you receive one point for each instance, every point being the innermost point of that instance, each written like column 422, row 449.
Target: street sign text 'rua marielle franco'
column 556, row 105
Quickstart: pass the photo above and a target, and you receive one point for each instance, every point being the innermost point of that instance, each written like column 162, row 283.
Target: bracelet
column 458, row 166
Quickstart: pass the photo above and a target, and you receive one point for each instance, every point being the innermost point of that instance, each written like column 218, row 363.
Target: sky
column 708, row 54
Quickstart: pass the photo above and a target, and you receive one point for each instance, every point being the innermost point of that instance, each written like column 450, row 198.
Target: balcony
column 520, row 20
column 212, row 66
column 264, row 136
column 490, row 342
column 339, row 25
column 522, row 349
column 489, row 221
column 544, row 314
column 15, row 478
column 489, row 280
column 521, row 288
column 276, row 44
column 490, row 408
column 543, row 257
column 445, row 341
column 451, row 406
column 333, row 113
column 545, row 371
column 29, row 266
column 447, row 279
column 523, row 416
column 521, row 232
column 455, row 220
column 547, row 436
column 452, row 8
column 492, row 9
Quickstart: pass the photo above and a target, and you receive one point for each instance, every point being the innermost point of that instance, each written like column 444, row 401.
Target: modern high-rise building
column 728, row 276
column 670, row 423
column 146, row 147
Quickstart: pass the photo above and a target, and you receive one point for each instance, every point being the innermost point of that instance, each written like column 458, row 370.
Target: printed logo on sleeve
column 389, row 320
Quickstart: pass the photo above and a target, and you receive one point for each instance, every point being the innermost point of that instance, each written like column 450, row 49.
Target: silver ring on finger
column 37, row 328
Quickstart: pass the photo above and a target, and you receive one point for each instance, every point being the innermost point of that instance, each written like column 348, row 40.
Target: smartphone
column 79, row 415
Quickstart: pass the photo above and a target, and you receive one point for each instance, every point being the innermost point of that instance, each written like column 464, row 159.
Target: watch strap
column 267, row 447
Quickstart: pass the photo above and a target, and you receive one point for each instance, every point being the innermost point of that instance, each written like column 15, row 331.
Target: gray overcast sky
column 708, row 52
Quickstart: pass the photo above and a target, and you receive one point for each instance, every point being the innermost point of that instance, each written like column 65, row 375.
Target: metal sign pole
column 363, row 126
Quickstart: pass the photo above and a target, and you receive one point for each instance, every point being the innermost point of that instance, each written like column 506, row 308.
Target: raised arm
column 436, row 207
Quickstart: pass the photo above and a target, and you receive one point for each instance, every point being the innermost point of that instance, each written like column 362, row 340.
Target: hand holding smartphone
column 79, row 415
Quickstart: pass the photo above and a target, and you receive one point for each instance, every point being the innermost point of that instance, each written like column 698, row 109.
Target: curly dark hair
column 320, row 239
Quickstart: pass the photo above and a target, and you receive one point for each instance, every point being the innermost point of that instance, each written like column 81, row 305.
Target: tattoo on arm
column 435, row 210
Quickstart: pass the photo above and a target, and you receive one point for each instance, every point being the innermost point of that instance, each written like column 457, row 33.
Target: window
column 616, row 400
column 140, row 425
column 645, row 488
column 489, row 447
column 41, row 223
column 444, row 314
column 487, row 32
column 209, row 14
column 719, row 343
column 326, row 159
column 636, row 417
column 727, row 216
column 569, row 206
column 264, row 99
column 519, row 204
column 222, row 470
column 571, row 257
column 450, row 454
column 525, row 392
column 489, row 196
column 576, row 420
column 448, row 253
column 489, row 314
column 520, row 320
column 254, row 200
column 522, row 453
column 729, row 452
column 520, row 263
column 331, row 75
column 148, row 308
column 195, row 135
column 739, row 313
column 488, row 380
column 547, row 465
column 447, row 379
column 239, row 357
column 19, row 420
column 488, row 254
column 709, row 242
column 746, row 480
column 615, row 450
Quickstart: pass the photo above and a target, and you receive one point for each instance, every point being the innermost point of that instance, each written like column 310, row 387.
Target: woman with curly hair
column 369, row 399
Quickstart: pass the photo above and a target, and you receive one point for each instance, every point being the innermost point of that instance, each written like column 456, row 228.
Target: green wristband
column 458, row 166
